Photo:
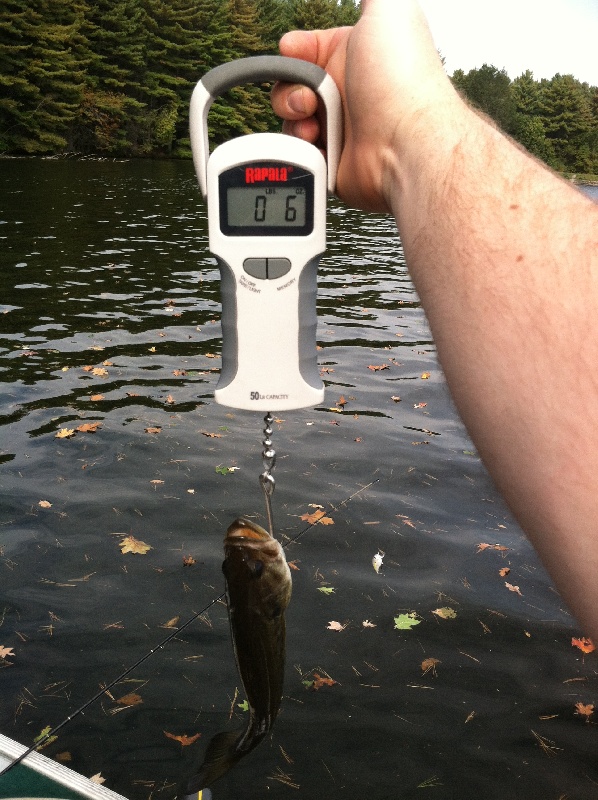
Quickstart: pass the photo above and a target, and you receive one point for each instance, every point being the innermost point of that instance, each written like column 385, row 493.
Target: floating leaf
column 66, row 756
column 188, row 561
column 377, row 561
column 584, row 710
column 320, row 681
column 404, row 622
column 156, row 429
column 44, row 504
column 504, row 572
column 41, row 736
column 378, row 367
column 131, row 699
column 65, row 433
column 395, row 398
column 425, row 376
column 172, row 623
column 132, row 545
column 89, row 427
column 170, row 399
column 512, row 588
column 183, row 740
column 244, row 706
column 429, row 665
column 584, row 644
column 367, row 624
column 326, row 589
column 211, row 435
column 99, row 372
column 96, row 398
column 333, row 625
column 223, row 470
column 97, row 778
column 445, row 612
column 419, row 405
column 318, row 516
column 5, row 652
column 483, row 546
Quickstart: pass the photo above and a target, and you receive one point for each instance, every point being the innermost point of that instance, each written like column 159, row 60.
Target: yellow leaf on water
column 132, row 545
column 65, row 433
column 425, row 376
column 445, row 613
column 97, row 778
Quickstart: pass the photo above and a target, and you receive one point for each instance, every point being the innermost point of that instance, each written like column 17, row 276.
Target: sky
column 544, row 36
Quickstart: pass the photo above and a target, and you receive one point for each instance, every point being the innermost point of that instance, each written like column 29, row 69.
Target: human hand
column 388, row 71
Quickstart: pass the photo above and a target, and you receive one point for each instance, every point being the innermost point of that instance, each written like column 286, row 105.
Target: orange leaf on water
column 378, row 367
column 584, row 644
column 319, row 681
column 183, row 740
column 584, row 710
column 132, row 545
column 317, row 516
column 130, row 700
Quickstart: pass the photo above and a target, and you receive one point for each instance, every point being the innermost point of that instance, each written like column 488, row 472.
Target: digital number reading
column 278, row 206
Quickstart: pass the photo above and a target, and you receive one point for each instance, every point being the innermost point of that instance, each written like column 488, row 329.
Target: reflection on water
column 110, row 315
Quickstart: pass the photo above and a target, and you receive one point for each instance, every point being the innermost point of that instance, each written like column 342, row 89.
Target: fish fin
column 220, row 756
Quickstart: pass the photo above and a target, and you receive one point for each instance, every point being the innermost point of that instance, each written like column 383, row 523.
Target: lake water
column 109, row 314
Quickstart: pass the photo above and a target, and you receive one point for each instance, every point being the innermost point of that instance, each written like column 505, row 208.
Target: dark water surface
column 104, row 265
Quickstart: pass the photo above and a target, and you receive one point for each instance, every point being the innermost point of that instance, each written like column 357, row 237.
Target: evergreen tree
column 314, row 14
column 41, row 73
column 489, row 89
column 567, row 118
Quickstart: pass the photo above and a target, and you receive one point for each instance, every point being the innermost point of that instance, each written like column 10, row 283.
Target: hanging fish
column 258, row 587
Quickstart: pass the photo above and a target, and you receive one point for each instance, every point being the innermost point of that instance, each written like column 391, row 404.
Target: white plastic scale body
column 266, row 196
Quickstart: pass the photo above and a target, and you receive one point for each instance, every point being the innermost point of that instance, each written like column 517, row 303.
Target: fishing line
column 41, row 741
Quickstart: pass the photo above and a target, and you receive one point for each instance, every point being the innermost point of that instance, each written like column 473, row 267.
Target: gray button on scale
column 267, row 268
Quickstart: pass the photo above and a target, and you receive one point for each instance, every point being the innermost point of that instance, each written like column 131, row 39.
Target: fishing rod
column 160, row 646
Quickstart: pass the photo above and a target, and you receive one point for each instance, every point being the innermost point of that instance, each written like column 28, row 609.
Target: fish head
column 255, row 564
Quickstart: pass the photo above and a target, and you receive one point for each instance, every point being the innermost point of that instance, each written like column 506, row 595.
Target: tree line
column 114, row 77
column 556, row 119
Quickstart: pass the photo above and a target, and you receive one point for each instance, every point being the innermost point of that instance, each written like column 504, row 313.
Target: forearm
column 500, row 252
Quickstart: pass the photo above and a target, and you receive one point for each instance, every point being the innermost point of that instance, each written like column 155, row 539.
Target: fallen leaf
column 341, row 401
column 44, row 504
column 96, row 397
column 378, row 367
column 377, row 561
column 243, row 706
column 584, row 644
column 211, row 435
column 512, row 588
column 152, row 349
column 65, row 433
column 156, row 481
column 425, row 376
column 318, row 516
column 504, row 572
column 429, row 664
column 132, row 545
column 336, row 626
column 293, row 565
column 326, row 589
column 188, row 561
column 157, row 429
column 367, row 624
column 184, row 740
column 89, row 427
column 395, row 398
column 419, row 405
column 170, row 399
column 584, row 710
column 172, row 623
column 445, row 613
column 41, row 735
column 320, row 681
column 483, row 546
column 66, row 756
column 6, row 651
column 107, row 364
column 99, row 372
column 97, row 778
column 131, row 699
column 404, row 622
column 178, row 372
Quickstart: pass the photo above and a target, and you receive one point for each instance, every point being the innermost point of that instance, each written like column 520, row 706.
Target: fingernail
column 296, row 102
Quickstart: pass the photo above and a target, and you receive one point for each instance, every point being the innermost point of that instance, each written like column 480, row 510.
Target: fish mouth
column 246, row 529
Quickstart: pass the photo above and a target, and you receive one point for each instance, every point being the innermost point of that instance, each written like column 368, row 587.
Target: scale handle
column 263, row 69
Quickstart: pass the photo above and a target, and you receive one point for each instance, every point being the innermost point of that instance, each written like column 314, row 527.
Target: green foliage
column 556, row 120
column 116, row 76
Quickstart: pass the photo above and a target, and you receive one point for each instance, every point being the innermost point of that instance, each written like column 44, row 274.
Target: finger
column 306, row 129
column 293, row 102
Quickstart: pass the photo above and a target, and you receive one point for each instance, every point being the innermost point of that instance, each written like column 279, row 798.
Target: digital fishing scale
column 266, row 197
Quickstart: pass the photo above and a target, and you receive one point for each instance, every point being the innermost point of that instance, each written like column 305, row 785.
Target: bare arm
column 504, row 256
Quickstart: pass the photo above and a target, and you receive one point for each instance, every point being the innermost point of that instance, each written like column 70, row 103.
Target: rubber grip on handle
column 261, row 69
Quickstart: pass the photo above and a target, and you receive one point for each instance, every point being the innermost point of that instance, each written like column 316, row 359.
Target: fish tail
column 220, row 756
